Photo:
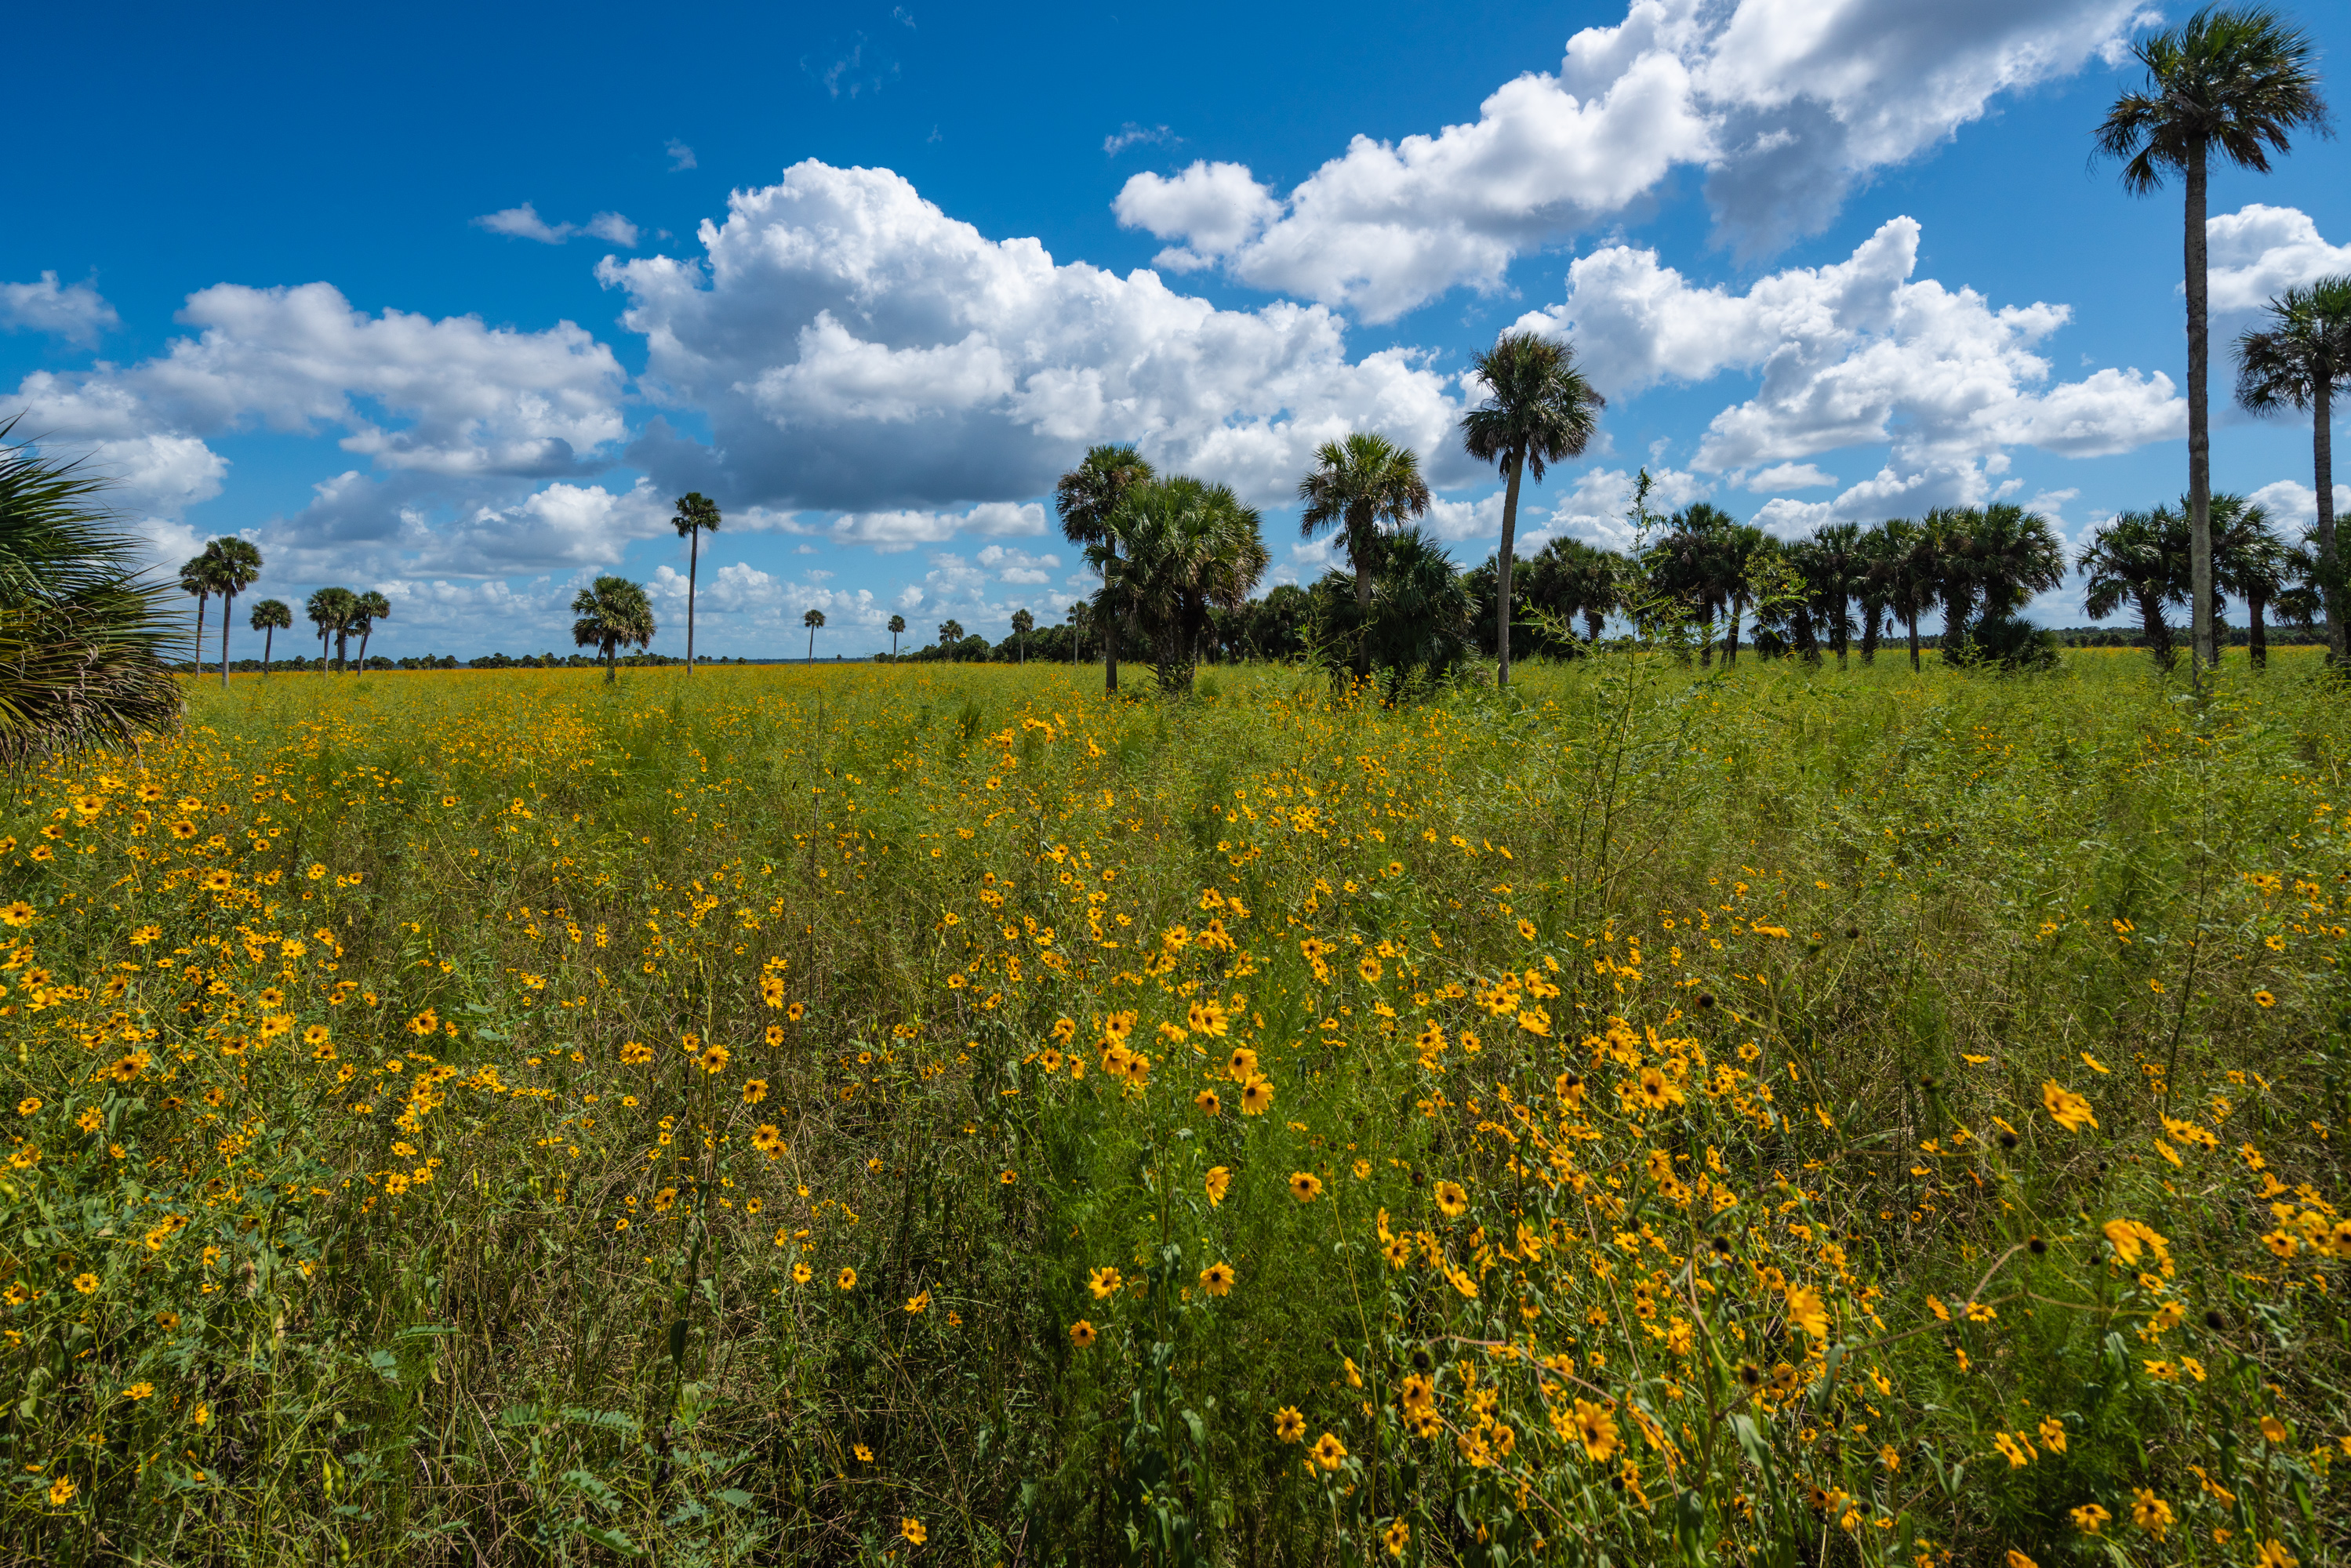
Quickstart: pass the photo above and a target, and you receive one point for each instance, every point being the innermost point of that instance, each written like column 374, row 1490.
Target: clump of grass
column 1770, row 1116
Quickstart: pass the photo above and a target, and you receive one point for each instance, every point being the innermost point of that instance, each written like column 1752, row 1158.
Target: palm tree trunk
column 2200, row 433
column 1502, row 570
column 363, row 643
column 692, row 566
column 227, row 600
column 811, row 658
column 2257, row 635
column 1110, row 626
column 1359, row 556
column 1730, row 640
column 1911, row 621
column 2321, row 455
column 202, row 600
column 343, row 645
column 269, row 636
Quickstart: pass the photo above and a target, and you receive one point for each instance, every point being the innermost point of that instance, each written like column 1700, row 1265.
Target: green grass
column 1853, row 923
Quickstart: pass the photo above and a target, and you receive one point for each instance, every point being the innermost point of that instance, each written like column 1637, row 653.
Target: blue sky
column 450, row 304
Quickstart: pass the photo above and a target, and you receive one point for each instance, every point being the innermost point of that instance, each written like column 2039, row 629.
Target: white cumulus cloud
column 853, row 348
column 1856, row 353
column 1786, row 104
column 75, row 312
column 2257, row 252
column 470, row 400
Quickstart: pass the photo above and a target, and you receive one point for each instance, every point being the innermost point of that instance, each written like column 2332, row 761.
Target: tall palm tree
column 950, row 637
column 1189, row 547
column 1542, row 411
column 2297, row 360
column 231, row 564
column 1022, row 624
column 2234, row 81
column 270, row 617
column 613, row 614
column 367, row 609
column 2250, row 561
column 1080, row 618
column 696, row 514
column 1088, row 498
column 814, row 621
column 897, row 626
column 1360, row 485
column 196, row 580
column 83, row 635
column 2132, row 557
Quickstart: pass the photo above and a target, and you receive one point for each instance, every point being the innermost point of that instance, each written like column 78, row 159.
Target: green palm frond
column 83, row 632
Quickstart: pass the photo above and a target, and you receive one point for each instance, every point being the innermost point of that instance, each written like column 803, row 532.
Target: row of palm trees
column 2236, row 84
column 1172, row 550
column 342, row 614
column 1974, row 567
column 228, row 566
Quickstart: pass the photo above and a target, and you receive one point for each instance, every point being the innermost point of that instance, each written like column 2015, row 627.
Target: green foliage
column 82, row 634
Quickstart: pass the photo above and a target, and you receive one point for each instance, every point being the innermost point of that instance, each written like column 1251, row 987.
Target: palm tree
column 1996, row 557
column 1836, row 573
column 611, row 615
column 813, row 620
column 83, row 633
column 1543, row 411
column 270, row 617
column 2297, row 362
column 1421, row 615
column 332, row 611
column 1873, row 593
column 195, row 579
column 367, row 609
column 2250, row 561
column 897, row 625
column 319, row 608
column 1361, row 485
column 230, row 564
column 1080, row 618
column 2238, row 81
column 696, row 513
column 1684, row 565
column 1087, row 499
column 1190, row 547
column 1570, row 579
column 950, row 637
column 2132, row 557
column 1910, row 570
column 1022, row 624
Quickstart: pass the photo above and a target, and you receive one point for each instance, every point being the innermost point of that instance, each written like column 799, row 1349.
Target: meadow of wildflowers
column 1655, row 1116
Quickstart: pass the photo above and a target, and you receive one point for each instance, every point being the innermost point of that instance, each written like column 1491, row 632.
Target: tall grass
column 1771, row 1115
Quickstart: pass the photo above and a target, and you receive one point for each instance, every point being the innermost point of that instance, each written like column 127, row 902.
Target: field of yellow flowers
column 1658, row 1115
